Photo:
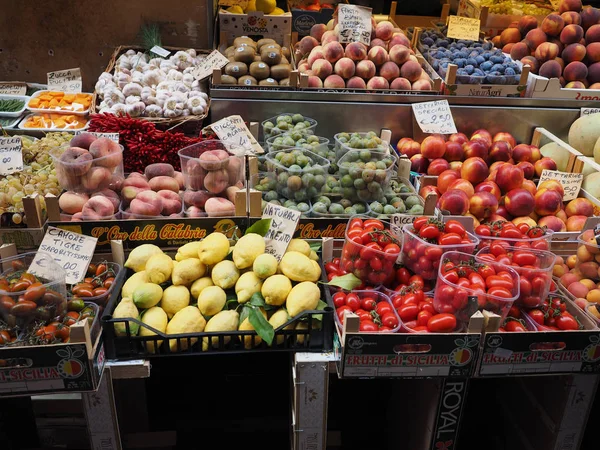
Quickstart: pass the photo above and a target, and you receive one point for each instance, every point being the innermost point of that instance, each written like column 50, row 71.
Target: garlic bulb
column 122, row 80
column 105, row 76
column 173, row 104
column 151, row 78
column 132, row 89
column 150, row 100
column 175, row 75
column 172, row 113
column 130, row 52
column 146, row 93
column 130, row 100
column 197, row 86
column 185, row 112
column 137, row 77
column 161, row 98
column 182, row 60
column 113, row 97
column 179, row 97
column 135, row 109
column 188, row 79
column 191, row 52
column 155, row 61
column 153, row 111
column 180, row 87
column 196, row 105
column 119, row 108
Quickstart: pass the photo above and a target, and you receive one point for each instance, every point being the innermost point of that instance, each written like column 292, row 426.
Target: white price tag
column 354, row 24
column 157, row 50
column 13, row 88
column 283, row 226
column 463, row 28
column 588, row 111
column 111, row 136
column 233, row 130
column 68, row 80
column 434, row 117
column 571, row 182
column 11, row 156
column 205, row 68
column 72, row 251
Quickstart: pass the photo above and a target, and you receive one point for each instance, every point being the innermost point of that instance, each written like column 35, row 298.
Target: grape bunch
column 38, row 174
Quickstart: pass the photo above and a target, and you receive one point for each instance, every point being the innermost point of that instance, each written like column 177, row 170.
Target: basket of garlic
column 153, row 88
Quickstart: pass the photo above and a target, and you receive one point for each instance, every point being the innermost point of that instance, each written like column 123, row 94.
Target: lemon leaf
column 263, row 328
column 245, row 313
column 320, row 307
column 346, row 282
column 315, row 246
column 257, row 299
column 261, row 227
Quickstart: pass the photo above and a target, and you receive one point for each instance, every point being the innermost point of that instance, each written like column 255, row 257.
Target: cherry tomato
column 419, row 222
column 442, row 323
column 454, row 226
column 356, row 222
column 417, row 281
column 504, row 274
column 539, row 244
column 368, row 326
column 537, row 316
column 341, row 311
column 100, row 269
column 433, row 253
column 511, row 233
column 403, row 276
column 390, row 320
column 363, row 315
column 514, row 325
column 523, row 228
column 391, row 251
column 368, row 303
column 429, row 231
column 423, row 317
column 500, row 292
column 382, row 308
column 353, row 301
column 497, row 249
column 354, row 232
column 524, row 258
column 486, row 271
column 476, row 279
column 331, row 268
column 450, row 239
column 370, row 250
column 564, row 322
column 483, row 230
column 515, row 312
column 408, row 312
column 496, row 281
column 339, row 299
column 373, row 223
column 536, row 232
column 62, row 332
column 426, row 306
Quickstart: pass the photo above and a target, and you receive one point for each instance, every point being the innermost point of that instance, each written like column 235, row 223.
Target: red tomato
column 524, row 258
column 486, row 270
column 537, row 316
column 373, row 223
column 370, row 250
column 368, row 326
column 410, row 299
column 429, row 231
column 403, row 276
column 511, row 233
column 363, row 315
column 500, row 292
column 536, row 232
column 331, row 268
column 384, row 329
column 356, row 223
column 390, row 320
column 454, row 226
column 523, row 228
column 417, row 281
column 423, row 317
column 476, row 279
column 433, row 253
column 353, row 301
column 339, row 299
column 391, row 251
column 504, row 274
column 496, row 281
column 449, row 239
column 408, row 312
column 564, row 322
column 419, row 222
column 382, row 308
column 442, row 323
column 420, row 329
column 354, row 232
column 419, row 295
column 341, row 311
column 515, row 312
column 463, row 282
column 483, row 230
column 514, row 325
column 497, row 249
column 368, row 303
column 525, row 287
column 426, row 306
column 539, row 244
column 377, row 278
column 375, row 264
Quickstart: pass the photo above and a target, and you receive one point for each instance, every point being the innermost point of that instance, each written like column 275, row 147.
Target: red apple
column 461, row 138
column 544, row 163
column 474, row 170
column 429, row 190
column 553, row 223
column 446, row 178
column 500, row 151
column 454, row 152
column 484, row 135
column 419, row 164
column 437, row 166
column 433, row 147
column 547, row 202
column 506, row 137
column 580, row 207
column 530, row 186
column 483, row 204
column 553, row 185
column 456, row 165
column 455, row 202
column 519, row 202
column 489, row 186
column 476, row 148
column 462, row 185
column 409, row 148
column 527, row 168
column 509, row 178
column 523, row 152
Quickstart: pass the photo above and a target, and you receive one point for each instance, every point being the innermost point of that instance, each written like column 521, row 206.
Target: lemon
column 147, row 295
column 139, row 255
column 157, row 318
column 251, row 6
column 187, row 320
column 299, row 267
column 213, row 249
column 247, row 326
column 278, row 318
column 187, row 271
column 225, row 274
column 235, row 9
column 303, row 297
column 132, row 282
column 126, row 309
column 159, row 268
column 275, row 289
column 247, row 249
column 266, row 6
column 199, row 285
column 211, row 300
column 222, row 321
column 265, row 265
column 313, row 255
column 174, row 299
column 246, row 286
column 300, row 246
column 189, row 250
column 277, row 12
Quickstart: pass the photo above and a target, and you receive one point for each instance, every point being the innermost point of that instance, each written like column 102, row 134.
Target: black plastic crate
column 130, row 346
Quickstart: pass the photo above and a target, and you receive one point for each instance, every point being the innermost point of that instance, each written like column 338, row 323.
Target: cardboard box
column 451, row 87
column 256, row 25
column 303, row 19
column 540, row 87
column 405, row 21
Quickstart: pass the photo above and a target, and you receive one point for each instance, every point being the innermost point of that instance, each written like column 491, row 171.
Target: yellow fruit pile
column 210, row 286
column 266, row 6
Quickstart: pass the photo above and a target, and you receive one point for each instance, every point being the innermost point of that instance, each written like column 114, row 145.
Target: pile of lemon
column 266, row 6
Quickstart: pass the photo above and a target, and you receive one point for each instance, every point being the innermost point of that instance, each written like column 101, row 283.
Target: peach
column 83, row 140
column 592, row 34
column 345, row 68
column 454, row 150
column 525, row 219
column 356, row 51
column 534, row 38
column 194, row 174
column 576, row 223
column 158, row 169
column 418, row 163
column 180, row 179
column 322, row 68
column 527, row 168
column 446, row 178
column 594, row 85
column 333, row 52
column 303, row 66
column 216, row 181
column 497, row 41
column 553, row 185
column 106, row 153
column 489, row 186
column 571, row 34
column 578, row 289
column 389, row 71
column 171, row 202
column 421, row 85
column 569, row 278
column 399, row 39
column 75, row 161
column 77, row 217
column 594, row 74
column 328, row 37
column 96, row 178
column 500, row 151
column 192, row 211
column 529, row 186
column 147, row 203
column 569, row 5
column 594, row 297
column 575, row 71
column 482, row 135
column 553, row 223
column 218, row 207
column 550, row 69
column 130, row 192
column 196, row 198
column 366, row 69
column 377, row 83
column 510, row 36
column 110, row 195
column 593, row 52
column 306, row 44
column 580, row 207
column 409, row 147
column 72, row 202
column 526, row 24
column 562, row 216
column 399, row 54
column 356, row 83
column 548, row 202
column 314, row 82
column 235, row 171
column 474, row 170
column 546, row 51
column 519, row 51
column 573, row 52
column 456, row 165
column 437, row 166
column 384, row 30
column 334, row 82
column 571, row 18
column 378, row 55
column 318, row 30
column 98, row 208
column 454, row 201
column 378, row 43
column 411, row 71
column 534, row 65
column 509, row 177
column 483, row 204
column 575, row 85
column 137, row 180
column 559, row 270
column 571, row 261
column 315, row 54
column 589, row 17
column 164, row 183
column 552, row 24
column 208, row 162
column 519, row 202
column 461, row 138
column 523, row 152
column 544, row 163
column 433, row 147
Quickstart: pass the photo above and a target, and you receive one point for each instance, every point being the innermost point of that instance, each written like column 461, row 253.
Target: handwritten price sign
column 463, row 28
column 65, row 80
column 355, row 24
column 232, row 129
column 11, row 156
column 112, row 136
column 205, row 68
column 283, row 225
column 13, row 88
column 571, row 182
column 434, row 117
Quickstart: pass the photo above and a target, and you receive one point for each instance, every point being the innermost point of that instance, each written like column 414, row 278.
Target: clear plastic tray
column 83, row 112
column 13, row 122
column 343, row 215
column 547, row 238
column 342, row 147
column 403, row 197
column 379, row 297
column 267, row 131
column 320, row 144
column 18, row 113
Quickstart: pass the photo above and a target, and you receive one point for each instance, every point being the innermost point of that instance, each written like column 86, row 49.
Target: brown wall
column 41, row 36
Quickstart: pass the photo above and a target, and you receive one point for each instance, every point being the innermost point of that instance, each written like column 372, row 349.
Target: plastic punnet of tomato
column 374, row 309
column 98, row 284
column 418, row 315
column 588, row 255
column 533, row 266
column 32, row 287
column 553, row 315
column 426, row 240
column 370, row 250
column 521, row 235
column 468, row 283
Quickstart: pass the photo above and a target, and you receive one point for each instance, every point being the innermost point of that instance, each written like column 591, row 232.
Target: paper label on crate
column 158, row 50
column 112, row 136
column 434, row 117
column 11, row 155
column 571, row 182
column 68, row 80
column 468, row 9
column 204, row 69
column 588, row 111
column 503, row 353
column 233, row 130
column 72, row 251
column 463, row 28
column 355, row 24
column 13, row 89
column 283, row 226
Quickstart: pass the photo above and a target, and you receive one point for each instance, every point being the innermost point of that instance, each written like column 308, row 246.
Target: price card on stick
column 13, row 88
column 204, row 69
column 72, row 251
column 354, row 23
column 588, row 111
column 233, row 129
column 157, row 50
column 571, row 182
column 434, row 117
column 68, row 80
column 11, row 156
column 463, row 28
column 112, row 136
column 283, row 226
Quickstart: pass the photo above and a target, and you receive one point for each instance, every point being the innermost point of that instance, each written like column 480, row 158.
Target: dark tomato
column 537, row 316
column 368, row 326
column 403, row 276
column 390, row 320
column 514, row 325
column 564, row 322
column 442, row 323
